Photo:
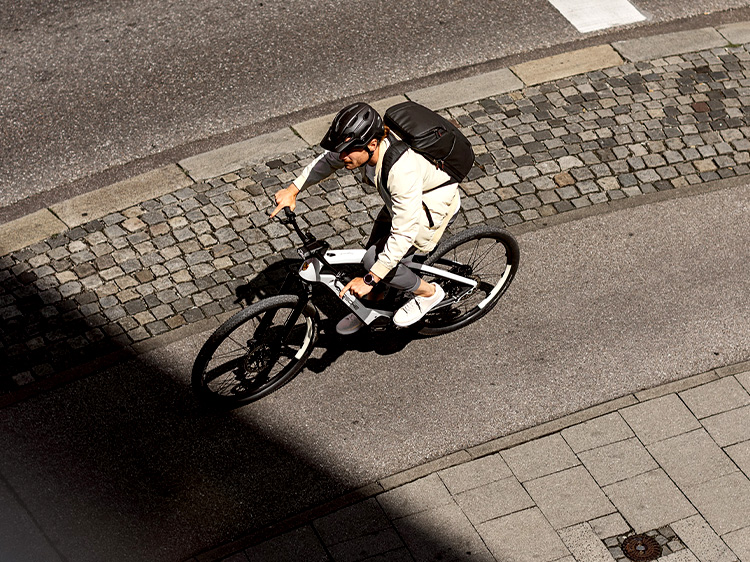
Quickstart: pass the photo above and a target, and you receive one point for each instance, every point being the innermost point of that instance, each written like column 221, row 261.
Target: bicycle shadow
column 119, row 457
column 281, row 277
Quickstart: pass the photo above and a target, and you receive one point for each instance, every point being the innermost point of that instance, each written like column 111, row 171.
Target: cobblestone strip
column 175, row 260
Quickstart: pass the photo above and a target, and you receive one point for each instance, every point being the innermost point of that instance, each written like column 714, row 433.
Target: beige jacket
column 412, row 182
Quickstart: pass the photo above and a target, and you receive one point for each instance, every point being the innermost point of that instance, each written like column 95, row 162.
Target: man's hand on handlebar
column 286, row 197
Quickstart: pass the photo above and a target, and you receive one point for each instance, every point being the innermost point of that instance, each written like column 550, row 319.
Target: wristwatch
column 369, row 279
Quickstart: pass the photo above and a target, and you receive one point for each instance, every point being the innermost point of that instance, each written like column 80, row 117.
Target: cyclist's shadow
column 383, row 342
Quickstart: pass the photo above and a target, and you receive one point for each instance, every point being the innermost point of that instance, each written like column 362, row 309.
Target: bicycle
column 264, row 346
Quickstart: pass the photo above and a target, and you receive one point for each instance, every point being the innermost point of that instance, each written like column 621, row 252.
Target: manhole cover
column 641, row 547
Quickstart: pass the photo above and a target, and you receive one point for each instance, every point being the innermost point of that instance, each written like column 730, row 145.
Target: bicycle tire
column 237, row 365
column 487, row 254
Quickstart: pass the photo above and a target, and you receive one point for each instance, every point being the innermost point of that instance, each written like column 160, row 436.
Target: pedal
column 380, row 324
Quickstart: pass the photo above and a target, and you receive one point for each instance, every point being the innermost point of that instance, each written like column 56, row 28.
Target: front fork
column 291, row 321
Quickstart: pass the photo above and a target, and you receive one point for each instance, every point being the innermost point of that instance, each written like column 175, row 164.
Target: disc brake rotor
column 256, row 361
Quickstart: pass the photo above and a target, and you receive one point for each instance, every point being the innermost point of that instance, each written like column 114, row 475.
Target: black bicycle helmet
column 353, row 127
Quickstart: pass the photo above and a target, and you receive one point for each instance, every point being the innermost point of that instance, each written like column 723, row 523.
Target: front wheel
column 256, row 351
column 489, row 255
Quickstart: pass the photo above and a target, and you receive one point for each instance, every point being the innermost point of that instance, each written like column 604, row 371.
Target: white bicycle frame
column 312, row 270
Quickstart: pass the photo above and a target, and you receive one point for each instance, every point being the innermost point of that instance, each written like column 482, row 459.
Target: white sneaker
column 416, row 308
column 349, row 324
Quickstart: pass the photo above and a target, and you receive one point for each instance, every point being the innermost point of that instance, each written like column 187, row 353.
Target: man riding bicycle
column 420, row 201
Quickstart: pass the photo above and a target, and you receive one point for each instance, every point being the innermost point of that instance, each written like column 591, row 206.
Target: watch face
column 369, row 280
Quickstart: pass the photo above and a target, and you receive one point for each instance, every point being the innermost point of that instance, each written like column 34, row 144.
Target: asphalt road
column 93, row 92
column 124, row 465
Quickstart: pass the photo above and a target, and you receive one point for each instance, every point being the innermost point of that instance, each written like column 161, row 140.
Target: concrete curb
column 29, row 230
column 670, row 44
column 96, row 204
column 239, row 155
column 466, row 455
column 42, row 224
column 567, row 64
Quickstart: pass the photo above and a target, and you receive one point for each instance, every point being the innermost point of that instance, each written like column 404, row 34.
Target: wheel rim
column 247, row 364
column 486, row 260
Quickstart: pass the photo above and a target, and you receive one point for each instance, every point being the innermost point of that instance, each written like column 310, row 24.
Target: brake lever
column 289, row 216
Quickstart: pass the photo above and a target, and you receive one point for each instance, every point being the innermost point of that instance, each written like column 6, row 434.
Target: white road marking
column 593, row 15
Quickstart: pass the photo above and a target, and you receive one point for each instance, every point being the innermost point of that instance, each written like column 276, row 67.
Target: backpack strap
column 395, row 151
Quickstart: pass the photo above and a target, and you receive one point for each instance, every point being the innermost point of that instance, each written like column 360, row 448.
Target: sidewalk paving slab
column 366, row 546
column 569, row 497
column 740, row 454
column 609, row 526
column 442, row 533
column 494, row 500
column 736, row 33
column 659, row 419
column 723, row 502
column 729, row 427
column 475, row 473
column 567, row 64
column 681, row 556
column 692, row 458
column 702, row 541
column 739, row 542
column 300, row 544
column 618, row 461
column 467, row 90
column 584, row 545
column 540, row 457
column 670, row 44
column 351, row 522
column 716, row 397
column 525, row 536
column 744, row 380
column 422, row 494
column 598, row 432
column 649, row 501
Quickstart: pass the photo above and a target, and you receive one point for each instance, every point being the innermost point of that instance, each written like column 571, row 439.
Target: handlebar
column 290, row 218
column 310, row 245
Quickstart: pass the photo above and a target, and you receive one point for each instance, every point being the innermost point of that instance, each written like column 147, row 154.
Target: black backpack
column 431, row 136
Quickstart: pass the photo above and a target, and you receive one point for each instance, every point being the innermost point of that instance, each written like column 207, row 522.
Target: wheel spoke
column 239, row 364
column 481, row 254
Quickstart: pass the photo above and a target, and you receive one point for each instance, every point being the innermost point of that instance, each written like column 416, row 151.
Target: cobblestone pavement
column 541, row 151
column 664, row 469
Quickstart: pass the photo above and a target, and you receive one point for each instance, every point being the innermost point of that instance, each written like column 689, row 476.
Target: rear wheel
column 256, row 351
column 488, row 255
